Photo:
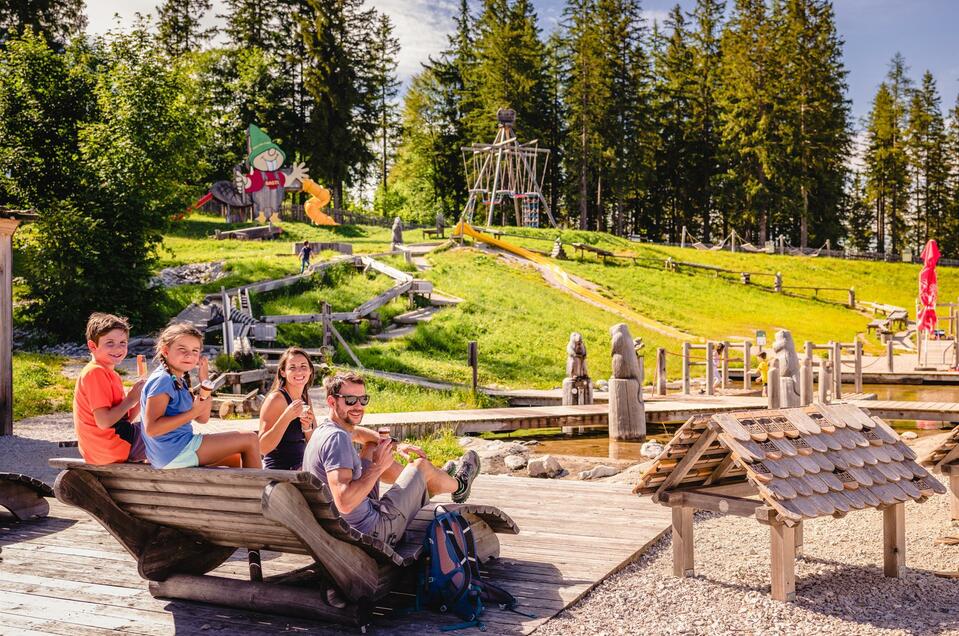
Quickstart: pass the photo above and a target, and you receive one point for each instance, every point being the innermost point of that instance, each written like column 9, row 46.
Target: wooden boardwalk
column 67, row 575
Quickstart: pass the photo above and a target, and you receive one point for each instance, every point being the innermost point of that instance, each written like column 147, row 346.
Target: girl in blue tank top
column 286, row 418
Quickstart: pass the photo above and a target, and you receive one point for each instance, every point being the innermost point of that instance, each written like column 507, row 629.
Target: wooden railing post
column 824, row 381
column 724, row 371
column 773, row 387
column 852, row 298
column 227, row 323
column 747, row 363
column 686, row 388
column 7, row 227
column 806, row 385
column 710, row 367
column 660, row 388
column 837, row 370
column 858, row 371
column 890, row 363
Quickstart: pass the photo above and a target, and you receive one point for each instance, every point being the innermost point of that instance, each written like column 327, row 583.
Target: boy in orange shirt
column 102, row 414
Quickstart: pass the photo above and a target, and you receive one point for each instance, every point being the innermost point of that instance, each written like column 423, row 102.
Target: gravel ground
column 839, row 582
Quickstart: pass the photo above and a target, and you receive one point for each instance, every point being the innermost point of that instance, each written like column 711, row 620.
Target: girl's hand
column 204, row 369
column 292, row 411
column 201, row 407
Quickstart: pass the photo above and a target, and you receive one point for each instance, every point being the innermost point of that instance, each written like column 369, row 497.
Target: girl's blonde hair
column 166, row 338
column 279, row 381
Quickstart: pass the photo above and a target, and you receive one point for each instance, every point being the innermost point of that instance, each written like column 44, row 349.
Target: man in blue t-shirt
column 353, row 477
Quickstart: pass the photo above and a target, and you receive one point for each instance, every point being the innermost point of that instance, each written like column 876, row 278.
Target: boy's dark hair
column 762, row 354
column 333, row 383
column 100, row 323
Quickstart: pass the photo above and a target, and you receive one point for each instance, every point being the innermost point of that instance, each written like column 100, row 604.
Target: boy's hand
column 204, row 369
column 136, row 390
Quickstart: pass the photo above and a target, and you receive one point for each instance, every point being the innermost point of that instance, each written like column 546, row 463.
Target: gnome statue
column 577, row 387
column 267, row 182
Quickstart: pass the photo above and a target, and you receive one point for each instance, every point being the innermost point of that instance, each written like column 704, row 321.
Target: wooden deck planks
column 66, row 575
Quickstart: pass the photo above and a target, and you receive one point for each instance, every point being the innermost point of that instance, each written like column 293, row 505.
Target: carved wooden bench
column 181, row 524
column 24, row 496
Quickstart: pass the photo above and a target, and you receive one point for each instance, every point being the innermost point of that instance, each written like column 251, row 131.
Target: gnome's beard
column 272, row 164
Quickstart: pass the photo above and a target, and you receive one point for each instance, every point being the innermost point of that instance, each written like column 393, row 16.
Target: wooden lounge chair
column 24, row 496
column 181, row 524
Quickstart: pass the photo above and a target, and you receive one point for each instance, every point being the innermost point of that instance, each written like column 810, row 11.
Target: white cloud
column 422, row 27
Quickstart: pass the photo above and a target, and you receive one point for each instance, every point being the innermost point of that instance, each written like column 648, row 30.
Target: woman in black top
column 286, row 418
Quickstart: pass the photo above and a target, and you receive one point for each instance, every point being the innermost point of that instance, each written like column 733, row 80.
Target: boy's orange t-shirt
column 98, row 387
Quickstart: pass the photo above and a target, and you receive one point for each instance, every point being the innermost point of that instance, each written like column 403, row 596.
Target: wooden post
column 660, row 371
column 686, row 388
column 799, row 538
column 894, row 539
column 852, row 298
column 627, row 417
column 472, row 354
column 683, row 542
column 7, row 227
column 778, row 283
column 954, row 496
column 858, row 371
column 710, row 367
column 783, row 561
column 747, row 363
column 890, row 363
column 772, row 385
column 256, row 568
column 724, row 368
column 837, row 370
column 227, row 323
column 806, row 381
column 326, row 312
column 824, row 381
column 809, row 347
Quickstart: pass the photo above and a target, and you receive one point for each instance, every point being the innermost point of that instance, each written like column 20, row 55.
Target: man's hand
column 383, row 455
column 409, row 450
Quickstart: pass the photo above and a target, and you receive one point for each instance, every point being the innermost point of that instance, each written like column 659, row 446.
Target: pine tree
column 748, row 101
column 900, row 87
column 813, row 117
column 887, row 174
column 251, row 23
column 704, row 136
column 384, row 60
column 858, row 215
column 178, row 25
column 58, row 21
column 928, row 159
column 950, row 231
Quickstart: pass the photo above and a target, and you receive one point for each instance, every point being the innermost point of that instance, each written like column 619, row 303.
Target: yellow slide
column 463, row 228
column 314, row 207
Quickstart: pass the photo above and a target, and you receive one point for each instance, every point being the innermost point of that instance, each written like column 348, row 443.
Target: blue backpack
column 451, row 581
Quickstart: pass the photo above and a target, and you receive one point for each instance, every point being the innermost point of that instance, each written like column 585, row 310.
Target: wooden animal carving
column 625, row 362
column 576, row 357
column 789, row 379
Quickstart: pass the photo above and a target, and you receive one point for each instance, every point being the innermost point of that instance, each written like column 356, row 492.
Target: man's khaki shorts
column 399, row 505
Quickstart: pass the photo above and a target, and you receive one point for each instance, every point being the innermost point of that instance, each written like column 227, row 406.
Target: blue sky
column 924, row 31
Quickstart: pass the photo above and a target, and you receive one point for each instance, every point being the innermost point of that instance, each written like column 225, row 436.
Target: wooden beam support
column 683, row 542
column 894, row 539
column 721, row 470
column 726, row 505
column 954, row 496
column 799, row 538
column 687, row 462
column 783, row 561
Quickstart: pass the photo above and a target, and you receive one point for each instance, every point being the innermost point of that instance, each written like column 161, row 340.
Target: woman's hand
column 307, row 420
column 292, row 411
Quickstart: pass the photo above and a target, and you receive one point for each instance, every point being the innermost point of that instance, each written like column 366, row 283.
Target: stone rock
column 909, row 435
column 493, row 453
column 597, row 472
column 189, row 274
column 602, row 385
column 546, row 466
column 515, row 462
column 651, row 449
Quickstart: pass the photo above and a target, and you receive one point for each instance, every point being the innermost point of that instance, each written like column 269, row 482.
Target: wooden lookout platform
column 66, row 575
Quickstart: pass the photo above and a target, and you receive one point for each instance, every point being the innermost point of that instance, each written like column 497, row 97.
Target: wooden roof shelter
column 799, row 463
column 945, row 459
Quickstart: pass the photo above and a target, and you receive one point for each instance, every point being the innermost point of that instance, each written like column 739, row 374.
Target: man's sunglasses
column 351, row 400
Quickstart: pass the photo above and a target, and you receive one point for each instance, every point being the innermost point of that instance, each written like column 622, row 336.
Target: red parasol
column 928, row 288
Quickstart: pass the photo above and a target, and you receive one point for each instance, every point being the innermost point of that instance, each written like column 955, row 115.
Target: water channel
column 597, row 444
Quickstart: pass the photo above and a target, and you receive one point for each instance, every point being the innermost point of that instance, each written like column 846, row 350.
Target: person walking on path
column 305, row 252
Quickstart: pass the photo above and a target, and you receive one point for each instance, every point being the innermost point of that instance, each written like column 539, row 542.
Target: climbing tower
column 507, row 176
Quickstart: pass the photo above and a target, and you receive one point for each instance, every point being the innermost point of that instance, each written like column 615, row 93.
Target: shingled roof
column 805, row 462
column 946, row 452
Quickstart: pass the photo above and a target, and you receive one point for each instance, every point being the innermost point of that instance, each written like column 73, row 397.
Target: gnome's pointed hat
column 258, row 142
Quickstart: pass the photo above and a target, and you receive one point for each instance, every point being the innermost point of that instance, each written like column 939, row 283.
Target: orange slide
column 314, row 206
